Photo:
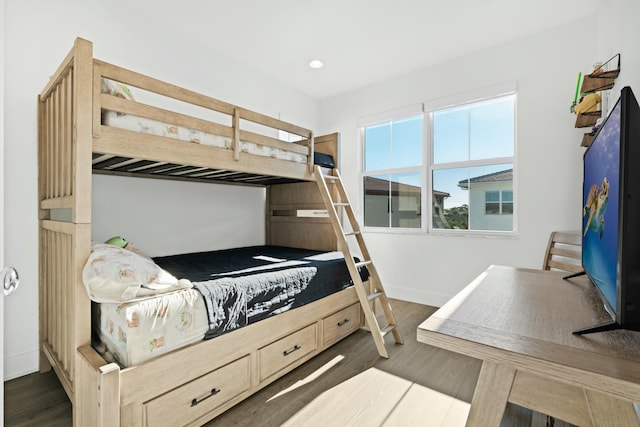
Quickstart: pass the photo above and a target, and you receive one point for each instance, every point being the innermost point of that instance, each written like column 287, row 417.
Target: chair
column 564, row 252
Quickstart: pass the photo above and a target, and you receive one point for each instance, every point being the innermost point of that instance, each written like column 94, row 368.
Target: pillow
column 114, row 274
column 116, row 89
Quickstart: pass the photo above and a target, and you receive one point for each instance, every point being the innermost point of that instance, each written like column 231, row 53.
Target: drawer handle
column 214, row 391
column 344, row 322
column 288, row 352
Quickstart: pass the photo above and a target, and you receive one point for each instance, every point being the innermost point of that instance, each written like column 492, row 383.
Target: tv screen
column 611, row 214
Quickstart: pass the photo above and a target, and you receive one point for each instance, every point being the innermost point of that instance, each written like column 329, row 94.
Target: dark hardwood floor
column 36, row 400
column 39, row 400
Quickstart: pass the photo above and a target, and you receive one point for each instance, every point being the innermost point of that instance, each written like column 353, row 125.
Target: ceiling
column 361, row 42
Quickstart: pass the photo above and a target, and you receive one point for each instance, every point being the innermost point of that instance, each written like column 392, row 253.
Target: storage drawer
column 341, row 324
column 196, row 398
column 282, row 353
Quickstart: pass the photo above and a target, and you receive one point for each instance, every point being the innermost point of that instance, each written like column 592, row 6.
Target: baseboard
column 22, row 364
column 418, row 296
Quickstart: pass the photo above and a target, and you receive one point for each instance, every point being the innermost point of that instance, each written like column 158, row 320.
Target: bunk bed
column 82, row 130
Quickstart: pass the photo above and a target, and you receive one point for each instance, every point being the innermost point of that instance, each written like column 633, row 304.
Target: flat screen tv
column 611, row 215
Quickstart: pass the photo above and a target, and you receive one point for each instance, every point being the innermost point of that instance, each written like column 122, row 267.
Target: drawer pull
column 288, row 352
column 344, row 322
column 214, row 391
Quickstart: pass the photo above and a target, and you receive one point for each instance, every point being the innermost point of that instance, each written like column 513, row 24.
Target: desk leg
column 491, row 395
column 607, row 410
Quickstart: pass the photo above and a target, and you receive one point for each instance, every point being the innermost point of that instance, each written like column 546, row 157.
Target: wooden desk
column 519, row 322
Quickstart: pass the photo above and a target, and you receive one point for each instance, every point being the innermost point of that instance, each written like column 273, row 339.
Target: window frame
column 427, row 168
column 399, row 114
column 485, row 94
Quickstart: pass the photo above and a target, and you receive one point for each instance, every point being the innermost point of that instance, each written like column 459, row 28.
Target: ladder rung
column 363, row 263
column 351, row 233
column 374, row 296
column 387, row 329
column 340, row 204
column 333, row 177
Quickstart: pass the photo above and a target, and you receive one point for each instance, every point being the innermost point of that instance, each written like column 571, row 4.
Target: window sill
column 443, row 233
column 403, row 231
column 476, row 234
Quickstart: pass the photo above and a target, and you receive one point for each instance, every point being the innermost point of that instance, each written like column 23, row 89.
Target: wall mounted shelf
column 601, row 79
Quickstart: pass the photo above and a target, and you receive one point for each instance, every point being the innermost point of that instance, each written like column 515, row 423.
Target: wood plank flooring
column 347, row 385
column 36, row 400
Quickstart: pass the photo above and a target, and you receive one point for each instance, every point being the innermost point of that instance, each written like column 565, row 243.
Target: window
column 456, row 157
column 473, row 153
column 393, row 172
column 498, row 202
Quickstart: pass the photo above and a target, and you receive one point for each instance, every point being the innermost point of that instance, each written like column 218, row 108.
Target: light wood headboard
column 296, row 214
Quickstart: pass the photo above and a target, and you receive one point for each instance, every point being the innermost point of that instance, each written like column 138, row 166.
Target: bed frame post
column 83, row 138
column 98, row 399
column 64, row 195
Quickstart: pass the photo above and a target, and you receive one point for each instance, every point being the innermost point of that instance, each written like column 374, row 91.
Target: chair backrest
column 564, row 252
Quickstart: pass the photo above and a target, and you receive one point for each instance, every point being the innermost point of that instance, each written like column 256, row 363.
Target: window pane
column 451, row 135
column 491, row 128
column 376, row 201
column 507, row 202
column 507, row 208
column 507, row 196
column 406, row 200
column 492, row 196
column 406, row 143
column 450, row 200
column 377, row 148
column 492, row 209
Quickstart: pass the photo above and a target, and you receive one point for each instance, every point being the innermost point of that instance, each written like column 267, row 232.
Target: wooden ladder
column 370, row 290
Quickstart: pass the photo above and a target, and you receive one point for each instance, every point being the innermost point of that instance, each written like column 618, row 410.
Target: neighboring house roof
column 502, row 176
column 381, row 187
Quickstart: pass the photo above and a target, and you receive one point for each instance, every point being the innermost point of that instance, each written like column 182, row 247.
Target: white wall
column 167, row 217
column 39, row 33
column 430, row 268
column 619, row 32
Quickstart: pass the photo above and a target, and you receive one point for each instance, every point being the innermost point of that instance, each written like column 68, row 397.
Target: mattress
column 153, row 127
column 244, row 285
column 232, row 288
column 132, row 333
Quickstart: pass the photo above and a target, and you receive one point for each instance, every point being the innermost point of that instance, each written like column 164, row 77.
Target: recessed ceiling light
column 316, row 63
